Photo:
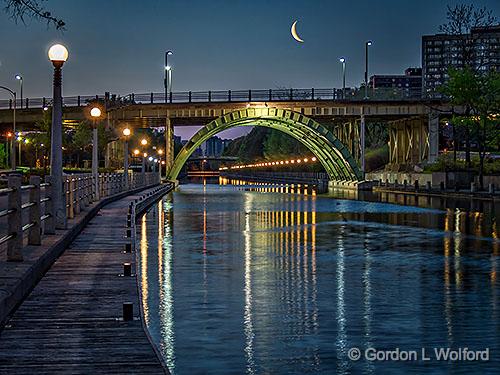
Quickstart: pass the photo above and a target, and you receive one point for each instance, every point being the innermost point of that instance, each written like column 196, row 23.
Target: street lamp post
column 20, row 79
column 96, row 114
column 144, row 143
column 58, row 54
column 160, row 153
column 367, row 44
column 342, row 60
column 151, row 161
column 167, row 73
column 8, row 145
column 13, row 143
column 126, row 133
column 143, row 167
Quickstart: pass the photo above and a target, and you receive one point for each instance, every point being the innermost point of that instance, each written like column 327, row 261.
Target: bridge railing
column 35, row 215
column 35, row 103
column 226, row 96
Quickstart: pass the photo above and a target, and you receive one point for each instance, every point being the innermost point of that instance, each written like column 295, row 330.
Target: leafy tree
column 479, row 94
column 20, row 10
column 3, row 156
column 280, row 145
column 460, row 20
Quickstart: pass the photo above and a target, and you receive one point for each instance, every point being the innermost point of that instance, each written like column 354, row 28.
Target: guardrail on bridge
column 225, row 96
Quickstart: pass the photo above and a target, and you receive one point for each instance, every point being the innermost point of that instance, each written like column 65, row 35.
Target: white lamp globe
column 58, row 53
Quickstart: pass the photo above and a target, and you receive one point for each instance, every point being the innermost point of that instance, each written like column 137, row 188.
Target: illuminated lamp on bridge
column 273, row 163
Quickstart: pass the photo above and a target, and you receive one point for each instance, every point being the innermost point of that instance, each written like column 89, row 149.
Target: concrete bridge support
column 413, row 141
column 169, row 145
column 349, row 134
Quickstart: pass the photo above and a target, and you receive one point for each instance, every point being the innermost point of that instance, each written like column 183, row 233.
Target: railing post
column 312, row 93
column 291, row 94
column 78, row 100
column 249, row 95
column 35, row 233
column 189, row 96
column 78, row 195
column 152, row 98
column 170, row 96
column 229, row 95
column 270, row 94
column 88, row 190
column 71, row 196
column 43, row 102
column 27, row 103
column 50, row 224
column 106, row 182
column 15, row 224
column 209, row 96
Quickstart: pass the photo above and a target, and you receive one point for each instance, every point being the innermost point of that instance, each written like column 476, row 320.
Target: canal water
column 261, row 279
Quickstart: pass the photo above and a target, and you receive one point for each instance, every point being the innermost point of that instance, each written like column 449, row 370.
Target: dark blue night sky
column 118, row 45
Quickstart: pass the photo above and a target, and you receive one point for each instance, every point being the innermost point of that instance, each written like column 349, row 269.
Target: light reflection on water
column 248, row 278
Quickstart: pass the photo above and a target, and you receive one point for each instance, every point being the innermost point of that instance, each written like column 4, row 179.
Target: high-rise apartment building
column 480, row 49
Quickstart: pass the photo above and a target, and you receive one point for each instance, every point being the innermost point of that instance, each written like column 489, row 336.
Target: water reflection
column 258, row 278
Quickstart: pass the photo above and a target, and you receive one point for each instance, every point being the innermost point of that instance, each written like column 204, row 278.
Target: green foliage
column 82, row 137
column 377, row 135
column 3, row 156
column 265, row 144
column 478, row 94
column 445, row 163
column 376, row 159
column 279, row 145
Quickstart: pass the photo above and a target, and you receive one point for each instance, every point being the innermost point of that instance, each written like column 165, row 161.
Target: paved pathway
column 69, row 323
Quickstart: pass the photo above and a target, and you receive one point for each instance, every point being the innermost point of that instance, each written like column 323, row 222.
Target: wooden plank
column 70, row 323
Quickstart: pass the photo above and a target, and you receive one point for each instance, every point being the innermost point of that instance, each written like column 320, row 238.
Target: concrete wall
column 449, row 179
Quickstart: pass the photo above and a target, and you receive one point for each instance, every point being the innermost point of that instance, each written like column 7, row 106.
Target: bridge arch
column 333, row 154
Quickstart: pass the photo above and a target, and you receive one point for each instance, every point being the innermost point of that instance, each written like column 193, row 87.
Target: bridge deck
column 69, row 322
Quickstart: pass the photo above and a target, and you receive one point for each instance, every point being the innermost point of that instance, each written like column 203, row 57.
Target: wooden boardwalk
column 70, row 322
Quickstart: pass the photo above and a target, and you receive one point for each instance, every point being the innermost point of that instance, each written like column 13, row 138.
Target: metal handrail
column 5, row 191
column 227, row 96
column 6, row 212
column 27, row 205
column 6, row 238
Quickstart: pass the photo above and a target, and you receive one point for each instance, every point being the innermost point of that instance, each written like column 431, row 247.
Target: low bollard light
column 127, row 269
column 128, row 311
column 128, row 247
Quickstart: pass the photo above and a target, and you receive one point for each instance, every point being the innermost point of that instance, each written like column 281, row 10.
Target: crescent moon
column 294, row 33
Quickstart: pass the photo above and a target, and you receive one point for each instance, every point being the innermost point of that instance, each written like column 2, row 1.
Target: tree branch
column 19, row 10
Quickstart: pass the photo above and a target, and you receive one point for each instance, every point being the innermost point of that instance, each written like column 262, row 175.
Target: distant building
column 481, row 48
column 197, row 153
column 407, row 85
column 214, row 146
